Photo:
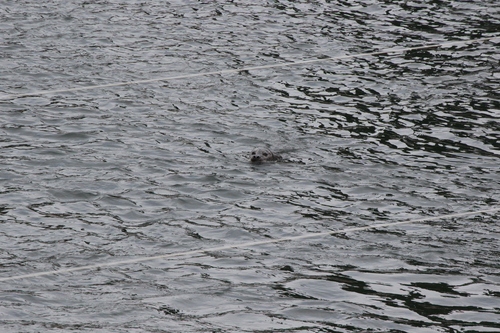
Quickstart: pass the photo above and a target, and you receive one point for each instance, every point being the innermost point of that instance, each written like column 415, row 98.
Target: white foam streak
column 229, row 71
column 242, row 245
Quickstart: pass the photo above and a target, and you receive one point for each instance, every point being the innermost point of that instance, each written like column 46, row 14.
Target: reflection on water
column 101, row 175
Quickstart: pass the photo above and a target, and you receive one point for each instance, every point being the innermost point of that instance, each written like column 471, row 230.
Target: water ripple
column 101, row 175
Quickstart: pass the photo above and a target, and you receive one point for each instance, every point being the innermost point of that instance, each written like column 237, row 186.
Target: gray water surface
column 109, row 174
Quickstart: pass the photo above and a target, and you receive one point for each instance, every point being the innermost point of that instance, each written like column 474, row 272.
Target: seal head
column 259, row 155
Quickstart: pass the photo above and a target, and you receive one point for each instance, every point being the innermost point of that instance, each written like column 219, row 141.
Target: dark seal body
column 260, row 155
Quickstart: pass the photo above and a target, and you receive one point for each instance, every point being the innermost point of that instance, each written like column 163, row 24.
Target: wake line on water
column 227, row 71
column 248, row 244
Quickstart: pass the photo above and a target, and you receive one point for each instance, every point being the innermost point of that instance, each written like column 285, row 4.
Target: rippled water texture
column 109, row 174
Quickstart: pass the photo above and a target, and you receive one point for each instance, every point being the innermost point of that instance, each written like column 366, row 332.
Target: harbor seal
column 259, row 155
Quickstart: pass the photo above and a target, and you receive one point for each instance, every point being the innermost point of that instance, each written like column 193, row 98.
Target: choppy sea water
column 109, row 174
